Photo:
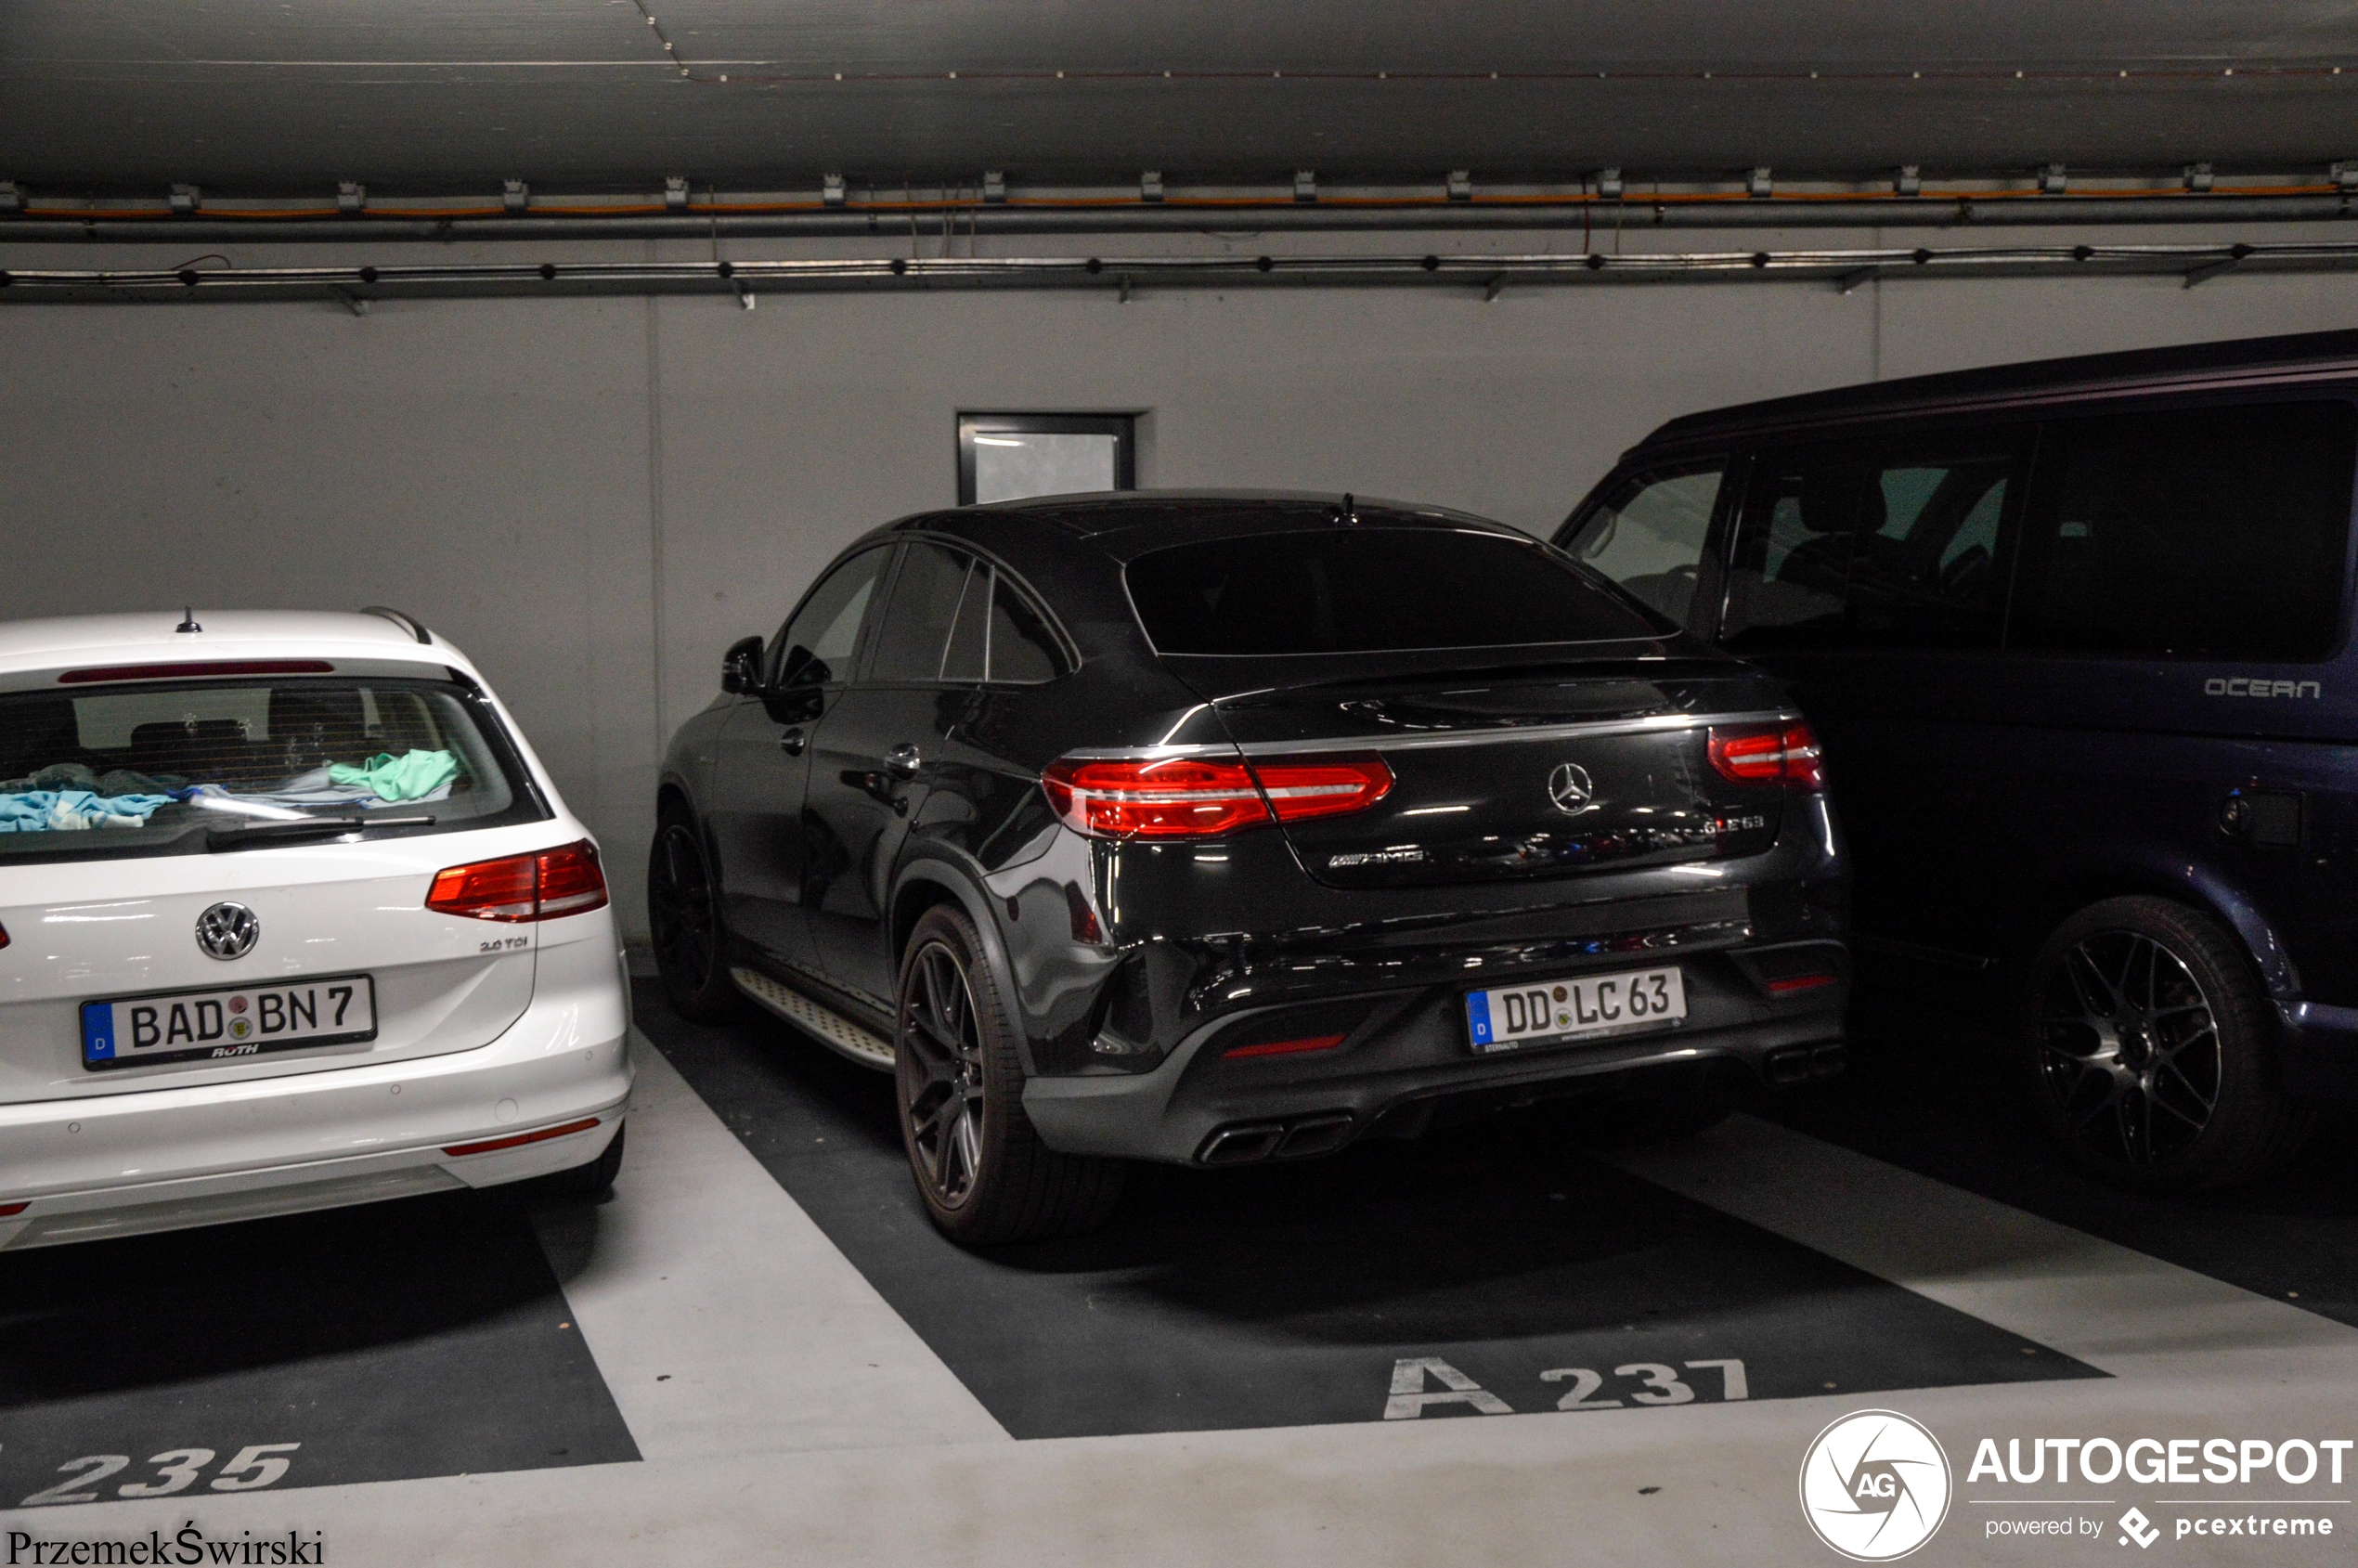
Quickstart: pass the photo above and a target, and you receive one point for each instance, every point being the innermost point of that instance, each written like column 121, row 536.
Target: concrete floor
column 755, row 1349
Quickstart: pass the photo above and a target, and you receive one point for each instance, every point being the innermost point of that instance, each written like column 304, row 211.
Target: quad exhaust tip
column 1296, row 1140
column 1799, row 1064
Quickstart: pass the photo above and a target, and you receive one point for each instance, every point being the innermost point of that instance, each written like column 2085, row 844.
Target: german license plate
column 1547, row 1011
column 227, row 1023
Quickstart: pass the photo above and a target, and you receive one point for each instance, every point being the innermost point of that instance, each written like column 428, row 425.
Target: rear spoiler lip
column 1431, row 740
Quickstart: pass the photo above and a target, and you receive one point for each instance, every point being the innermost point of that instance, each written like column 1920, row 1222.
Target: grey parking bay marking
column 256, row 1465
column 1659, row 1384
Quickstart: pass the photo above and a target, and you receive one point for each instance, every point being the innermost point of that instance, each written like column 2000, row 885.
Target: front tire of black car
column 2149, row 1049
column 984, row 1174
column 683, row 917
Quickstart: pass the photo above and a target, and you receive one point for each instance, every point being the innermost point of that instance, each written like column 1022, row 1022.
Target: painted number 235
column 255, row 1466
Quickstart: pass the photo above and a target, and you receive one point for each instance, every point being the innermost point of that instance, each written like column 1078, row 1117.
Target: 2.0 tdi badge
column 227, row 930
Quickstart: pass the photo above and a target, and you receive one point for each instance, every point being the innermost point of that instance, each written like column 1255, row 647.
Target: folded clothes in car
column 52, row 811
column 411, row 776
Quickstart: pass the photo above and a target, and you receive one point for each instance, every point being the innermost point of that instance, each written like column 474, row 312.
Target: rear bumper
column 1412, row 1061
column 164, row 1159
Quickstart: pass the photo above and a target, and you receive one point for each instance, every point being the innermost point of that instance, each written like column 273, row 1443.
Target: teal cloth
column 405, row 777
column 51, row 810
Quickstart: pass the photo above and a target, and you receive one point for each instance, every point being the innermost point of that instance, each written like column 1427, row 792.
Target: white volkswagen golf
column 290, row 916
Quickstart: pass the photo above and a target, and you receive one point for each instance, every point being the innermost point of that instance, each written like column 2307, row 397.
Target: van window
column 1861, row 546
column 2213, row 531
column 1648, row 535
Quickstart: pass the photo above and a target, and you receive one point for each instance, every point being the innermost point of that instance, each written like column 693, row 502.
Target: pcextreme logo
column 1875, row 1485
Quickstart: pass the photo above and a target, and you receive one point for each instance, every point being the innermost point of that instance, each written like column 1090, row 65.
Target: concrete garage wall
column 594, row 496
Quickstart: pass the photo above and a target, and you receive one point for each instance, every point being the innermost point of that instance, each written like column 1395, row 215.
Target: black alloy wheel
column 684, row 917
column 985, row 1176
column 2151, row 1047
column 943, row 1093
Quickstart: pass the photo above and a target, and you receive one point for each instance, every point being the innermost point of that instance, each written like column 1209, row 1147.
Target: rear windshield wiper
column 243, row 834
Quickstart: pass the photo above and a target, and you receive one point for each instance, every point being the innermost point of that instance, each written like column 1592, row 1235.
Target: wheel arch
column 2125, row 872
column 930, row 881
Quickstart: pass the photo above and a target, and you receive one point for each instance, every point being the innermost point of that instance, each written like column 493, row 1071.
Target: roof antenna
column 1350, row 513
column 187, row 619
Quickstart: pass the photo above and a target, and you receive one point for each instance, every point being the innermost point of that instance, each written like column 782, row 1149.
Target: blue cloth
column 55, row 810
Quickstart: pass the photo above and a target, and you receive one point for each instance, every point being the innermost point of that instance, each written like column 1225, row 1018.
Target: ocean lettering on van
column 2251, row 686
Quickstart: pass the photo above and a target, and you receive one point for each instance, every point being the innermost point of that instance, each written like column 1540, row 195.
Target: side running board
column 837, row 1032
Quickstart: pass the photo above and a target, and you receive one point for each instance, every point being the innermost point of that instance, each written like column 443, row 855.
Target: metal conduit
column 1628, row 214
column 1845, row 269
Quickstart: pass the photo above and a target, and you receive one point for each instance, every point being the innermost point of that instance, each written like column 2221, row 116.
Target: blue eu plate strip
column 1478, row 1016
column 97, row 1032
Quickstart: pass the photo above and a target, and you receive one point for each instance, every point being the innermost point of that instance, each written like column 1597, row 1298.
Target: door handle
column 901, row 761
column 792, row 741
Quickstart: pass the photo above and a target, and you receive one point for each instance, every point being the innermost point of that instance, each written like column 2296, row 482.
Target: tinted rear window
column 1370, row 589
column 2219, row 532
column 179, row 767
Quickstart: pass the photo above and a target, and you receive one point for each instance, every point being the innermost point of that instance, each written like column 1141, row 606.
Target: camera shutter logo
column 1875, row 1485
column 1572, row 789
column 227, row 930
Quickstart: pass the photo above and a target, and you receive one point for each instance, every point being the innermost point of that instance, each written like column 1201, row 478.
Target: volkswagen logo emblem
column 227, row 931
column 1571, row 788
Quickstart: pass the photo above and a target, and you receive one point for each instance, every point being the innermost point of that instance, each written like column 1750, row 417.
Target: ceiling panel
column 436, row 97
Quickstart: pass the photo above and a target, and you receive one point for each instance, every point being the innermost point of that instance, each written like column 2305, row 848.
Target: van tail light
column 521, row 888
column 1780, row 754
column 1195, row 797
column 3, row 936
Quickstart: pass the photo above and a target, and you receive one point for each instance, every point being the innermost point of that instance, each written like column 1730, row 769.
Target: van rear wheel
column 2150, row 1050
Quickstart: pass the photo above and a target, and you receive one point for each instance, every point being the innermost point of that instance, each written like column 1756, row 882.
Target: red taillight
column 571, row 882
column 1793, row 985
column 519, row 1139
column 1322, row 786
column 1192, row 797
column 521, row 888
column 10, row 1211
column 1787, row 753
column 3, row 936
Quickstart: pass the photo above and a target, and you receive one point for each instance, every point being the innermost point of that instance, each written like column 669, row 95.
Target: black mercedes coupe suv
column 1213, row 828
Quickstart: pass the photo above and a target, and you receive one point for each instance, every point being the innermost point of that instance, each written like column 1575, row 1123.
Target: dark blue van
column 2076, row 636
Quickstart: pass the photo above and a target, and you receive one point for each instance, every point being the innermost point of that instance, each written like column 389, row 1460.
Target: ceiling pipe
column 1325, row 215
column 354, row 287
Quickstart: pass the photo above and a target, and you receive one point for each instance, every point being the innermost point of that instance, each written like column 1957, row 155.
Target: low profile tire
column 683, row 917
column 2150, row 1050
column 984, row 1174
column 585, row 1184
